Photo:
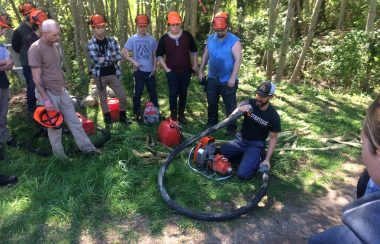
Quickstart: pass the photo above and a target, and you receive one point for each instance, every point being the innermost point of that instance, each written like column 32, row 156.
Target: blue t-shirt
column 4, row 54
column 143, row 48
column 221, row 60
column 371, row 187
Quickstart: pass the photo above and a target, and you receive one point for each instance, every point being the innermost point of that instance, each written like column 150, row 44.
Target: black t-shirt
column 4, row 82
column 108, row 70
column 258, row 123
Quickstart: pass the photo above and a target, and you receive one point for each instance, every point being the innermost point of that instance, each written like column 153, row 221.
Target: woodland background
column 331, row 43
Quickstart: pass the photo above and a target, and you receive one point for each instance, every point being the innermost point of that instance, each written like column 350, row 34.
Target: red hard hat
column 48, row 119
column 169, row 132
column 174, row 18
column 26, row 8
column 220, row 21
column 38, row 16
column 142, row 19
column 97, row 20
column 5, row 21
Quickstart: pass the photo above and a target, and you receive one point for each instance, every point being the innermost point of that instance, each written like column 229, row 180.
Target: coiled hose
column 208, row 216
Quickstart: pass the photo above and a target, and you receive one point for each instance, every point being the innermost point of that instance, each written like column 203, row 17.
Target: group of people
column 176, row 51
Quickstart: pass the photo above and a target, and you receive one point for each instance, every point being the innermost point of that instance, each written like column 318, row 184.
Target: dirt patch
column 276, row 222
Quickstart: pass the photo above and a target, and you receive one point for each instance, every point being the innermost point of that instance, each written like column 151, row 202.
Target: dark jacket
column 361, row 223
column 19, row 37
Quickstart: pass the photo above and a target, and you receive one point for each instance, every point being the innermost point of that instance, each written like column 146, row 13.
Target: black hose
column 206, row 215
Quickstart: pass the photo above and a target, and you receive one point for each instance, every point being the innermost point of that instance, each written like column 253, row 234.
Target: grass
column 59, row 201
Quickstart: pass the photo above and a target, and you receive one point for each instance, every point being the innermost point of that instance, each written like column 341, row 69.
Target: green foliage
column 347, row 60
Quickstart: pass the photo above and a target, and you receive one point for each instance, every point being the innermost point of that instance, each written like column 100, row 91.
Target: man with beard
column 260, row 120
column 223, row 54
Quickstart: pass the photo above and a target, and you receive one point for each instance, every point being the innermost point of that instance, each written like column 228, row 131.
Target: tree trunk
column 215, row 9
column 371, row 15
column 309, row 38
column 342, row 14
column 66, row 61
column 272, row 27
column 194, row 18
column 285, row 40
column 122, row 24
column 15, row 9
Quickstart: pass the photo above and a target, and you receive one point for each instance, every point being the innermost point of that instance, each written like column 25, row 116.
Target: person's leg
column 212, row 92
column 173, row 85
column 102, row 92
column 250, row 161
column 138, row 91
column 229, row 99
column 55, row 135
column 118, row 88
column 152, row 90
column 66, row 107
column 184, row 83
column 232, row 149
column 4, row 103
column 30, row 87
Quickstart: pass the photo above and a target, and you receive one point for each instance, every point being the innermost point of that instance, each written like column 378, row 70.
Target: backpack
column 151, row 114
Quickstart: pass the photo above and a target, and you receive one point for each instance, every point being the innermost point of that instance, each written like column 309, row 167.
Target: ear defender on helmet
column 142, row 19
column 38, row 16
column 97, row 20
column 220, row 21
column 5, row 21
column 48, row 119
column 26, row 8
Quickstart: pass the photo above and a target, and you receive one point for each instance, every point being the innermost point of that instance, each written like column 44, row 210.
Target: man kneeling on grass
column 260, row 120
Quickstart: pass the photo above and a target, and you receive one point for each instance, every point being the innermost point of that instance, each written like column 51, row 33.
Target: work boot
column 107, row 118
column 173, row 115
column 6, row 180
column 123, row 118
column 181, row 117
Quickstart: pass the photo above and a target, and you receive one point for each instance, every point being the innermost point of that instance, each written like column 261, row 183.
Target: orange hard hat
column 38, row 16
column 48, row 119
column 5, row 21
column 174, row 18
column 142, row 19
column 26, row 8
column 97, row 20
column 220, row 21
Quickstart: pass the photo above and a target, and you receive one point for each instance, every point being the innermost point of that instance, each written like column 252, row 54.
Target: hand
column 48, row 105
column 265, row 162
column 136, row 65
column 245, row 108
column 200, row 75
column 195, row 70
column 231, row 82
column 168, row 70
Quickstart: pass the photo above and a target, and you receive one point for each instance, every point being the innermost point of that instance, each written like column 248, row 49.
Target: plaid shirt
column 111, row 57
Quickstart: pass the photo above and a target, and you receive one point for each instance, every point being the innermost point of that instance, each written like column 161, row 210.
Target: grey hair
column 49, row 25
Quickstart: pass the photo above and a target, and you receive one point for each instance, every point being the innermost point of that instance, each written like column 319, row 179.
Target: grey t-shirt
column 143, row 48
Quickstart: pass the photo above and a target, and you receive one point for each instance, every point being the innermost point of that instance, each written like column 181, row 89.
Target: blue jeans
column 141, row 79
column 30, row 87
column 214, row 90
column 248, row 151
column 178, row 84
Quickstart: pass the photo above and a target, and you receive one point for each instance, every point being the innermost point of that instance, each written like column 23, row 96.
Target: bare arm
column 36, row 72
column 204, row 61
column 236, row 52
column 125, row 54
column 6, row 65
column 272, row 145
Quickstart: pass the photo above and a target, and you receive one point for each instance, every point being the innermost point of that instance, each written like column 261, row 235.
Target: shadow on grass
column 99, row 199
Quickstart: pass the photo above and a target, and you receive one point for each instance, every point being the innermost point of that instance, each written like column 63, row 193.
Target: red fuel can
column 113, row 105
column 87, row 124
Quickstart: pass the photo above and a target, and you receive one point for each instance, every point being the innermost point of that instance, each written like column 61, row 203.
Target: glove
column 48, row 105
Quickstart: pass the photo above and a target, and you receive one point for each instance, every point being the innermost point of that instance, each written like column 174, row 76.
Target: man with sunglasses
column 178, row 47
column 260, row 121
column 143, row 48
column 223, row 54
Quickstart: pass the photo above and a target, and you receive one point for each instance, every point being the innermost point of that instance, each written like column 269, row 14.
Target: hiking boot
column 181, row 117
column 94, row 152
column 123, row 118
column 173, row 115
column 6, row 180
column 107, row 118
